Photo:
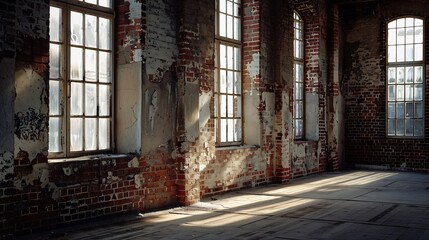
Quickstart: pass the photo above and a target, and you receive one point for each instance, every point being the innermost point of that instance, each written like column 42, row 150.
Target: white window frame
column 102, row 111
column 298, row 77
column 405, row 96
column 228, row 116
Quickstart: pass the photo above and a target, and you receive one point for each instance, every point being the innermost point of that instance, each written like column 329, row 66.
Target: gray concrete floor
column 344, row 205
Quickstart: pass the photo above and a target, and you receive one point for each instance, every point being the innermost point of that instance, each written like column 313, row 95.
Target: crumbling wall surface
column 364, row 27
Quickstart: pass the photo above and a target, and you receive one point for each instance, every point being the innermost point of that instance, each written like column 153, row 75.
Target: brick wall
column 365, row 89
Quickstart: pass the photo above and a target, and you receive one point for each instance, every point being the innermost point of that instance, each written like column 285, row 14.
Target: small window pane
column 391, row 94
column 230, row 57
column 391, row 110
column 237, row 106
column 104, row 33
column 90, row 100
column 409, row 75
column 400, row 22
column 392, row 75
column 418, row 73
column 55, row 24
column 418, row 38
column 76, row 66
column 104, row 133
column 223, row 105
column 408, row 93
column 104, row 67
column 76, row 27
column 76, row 138
column 237, row 83
column 400, row 53
column 400, row 36
column 222, row 56
column 237, row 58
column 400, row 127
column 418, row 110
column 400, row 92
column 237, row 133
column 230, row 87
column 223, row 81
column 418, row 127
column 222, row 6
column 90, row 134
column 90, row 31
column 298, row 109
column 299, row 128
column 400, row 110
column 91, row 1
column 409, row 52
column 237, row 29
column 104, row 3
column 409, row 110
column 222, row 25
column 229, row 8
column 231, row 130
column 54, row 60
column 229, row 24
column 418, row 92
column 392, row 53
column 230, row 104
column 54, row 98
column 409, row 127
column 409, row 35
column 391, row 127
column 54, row 134
column 392, row 24
column 76, row 99
column 392, row 37
column 104, row 100
column 90, row 65
column 223, row 126
column 298, row 91
column 418, row 54
column 400, row 75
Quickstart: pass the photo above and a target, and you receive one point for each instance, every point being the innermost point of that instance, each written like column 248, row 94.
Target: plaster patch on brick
column 204, row 108
column 6, row 166
column 135, row 9
column 268, row 115
column 134, row 163
column 254, row 70
column 139, row 180
column 40, row 173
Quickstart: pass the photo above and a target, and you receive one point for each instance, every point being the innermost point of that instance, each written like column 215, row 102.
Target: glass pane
column 418, row 110
column 222, row 6
column 55, row 26
column 76, row 138
column 418, row 37
column 409, row 35
column 299, row 129
column 418, row 52
column 400, row 53
column 54, row 60
column 223, row 126
column 418, row 22
column 237, row 57
column 391, row 93
column 409, row 128
column 91, row 1
column 409, row 75
column 222, row 56
column 418, row 92
column 229, row 8
column 400, row 127
column 392, row 37
column 408, row 93
column 392, row 54
column 298, row 91
column 400, row 37
column 54, row 98
column 298, row 109
column 237, row 106
column 392, row 24
column 418, row 73
column 223, row 106
column 231, row 130
column 104, row 133
column 237, row 127
column 104, row 3
column 230, row 86
column 104, row 67
column 90, row 99
column 400, row 110
column 409, row 52
column 392, row 75
column 237, row 83
column 391, row 110
column 409, row 22
column 90, row 31
column 230, row 106
column 409, row 110
column 222, row 25
column 400, row 92
column 223, row 85
column 76, row 28
column 104, row 100
column 76, row 66
column 229, row 24
column 391, row 127
column 418, row 127
column 400, row 76
column 104, row 35
column 76, row 99
column 54, row 134
column 400, row 22
column 90, row 65
column 230, row 57
column 237, row 29
column 90, row 134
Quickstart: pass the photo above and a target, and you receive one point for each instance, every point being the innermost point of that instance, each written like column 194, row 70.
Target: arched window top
column 298, row 36
column 405, row 39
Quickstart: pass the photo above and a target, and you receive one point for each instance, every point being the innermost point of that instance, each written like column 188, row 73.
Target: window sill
column 225, row 148
column 89, row 158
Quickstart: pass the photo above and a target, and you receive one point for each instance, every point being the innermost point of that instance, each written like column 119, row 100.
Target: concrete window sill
column 89, row 158
column 225, row 148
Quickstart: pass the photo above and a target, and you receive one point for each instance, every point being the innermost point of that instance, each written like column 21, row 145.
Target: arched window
column 405, row 77
column 298, row 76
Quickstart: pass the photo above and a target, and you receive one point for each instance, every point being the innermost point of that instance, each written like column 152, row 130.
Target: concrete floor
column 345, row 205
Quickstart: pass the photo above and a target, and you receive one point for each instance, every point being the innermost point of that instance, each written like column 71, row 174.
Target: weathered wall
column 365, row 88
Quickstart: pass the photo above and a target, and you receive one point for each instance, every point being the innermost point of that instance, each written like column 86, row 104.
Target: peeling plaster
column 254, row 68
column 40, row 172
column 139, row 180
column 204, row 109
column 6, row 166
column 135, row 7
column 134, row 163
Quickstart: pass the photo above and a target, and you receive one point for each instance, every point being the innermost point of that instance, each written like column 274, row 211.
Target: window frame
column 67, row 6
column 298, row 61
column 221, row 40
column 404, row 64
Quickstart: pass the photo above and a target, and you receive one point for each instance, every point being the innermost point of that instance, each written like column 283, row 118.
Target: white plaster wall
column 128, row 107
